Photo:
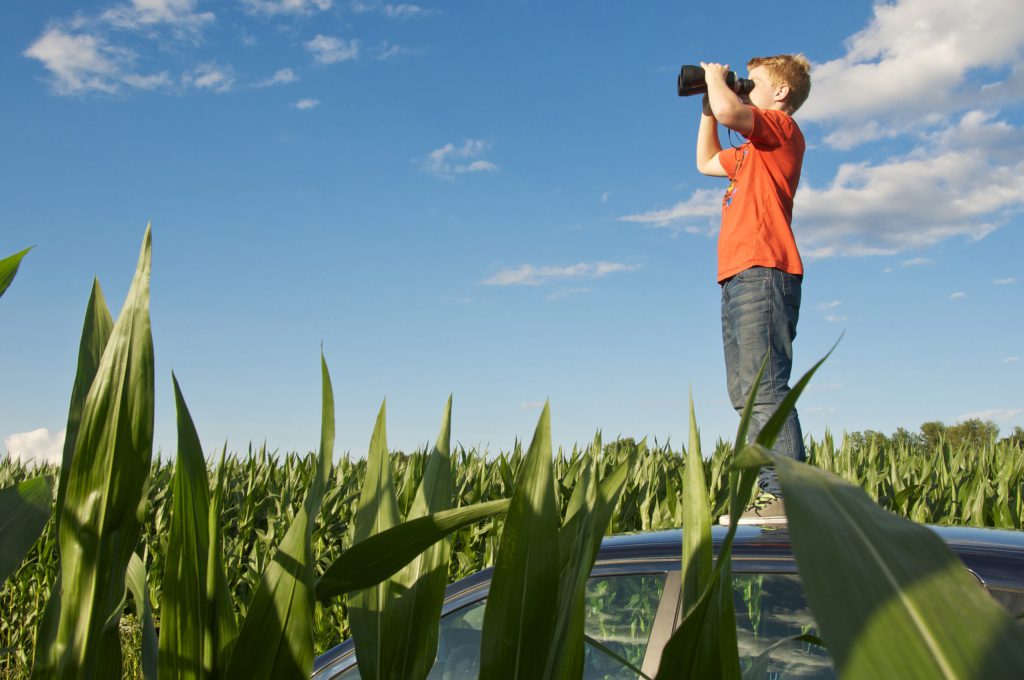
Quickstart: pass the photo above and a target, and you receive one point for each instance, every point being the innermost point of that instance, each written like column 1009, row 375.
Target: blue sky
column 499, row 200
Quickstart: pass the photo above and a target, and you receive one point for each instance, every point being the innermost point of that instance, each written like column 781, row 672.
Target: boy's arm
column 727, row 107
column 708, row 146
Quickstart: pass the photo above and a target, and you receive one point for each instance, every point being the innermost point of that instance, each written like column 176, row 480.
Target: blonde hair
column 788, row 69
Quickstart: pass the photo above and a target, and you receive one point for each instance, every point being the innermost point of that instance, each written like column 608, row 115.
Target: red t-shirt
column 757, row 209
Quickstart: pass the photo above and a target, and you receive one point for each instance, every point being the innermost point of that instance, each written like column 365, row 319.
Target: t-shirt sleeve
column 727, row 157
column 771, row 128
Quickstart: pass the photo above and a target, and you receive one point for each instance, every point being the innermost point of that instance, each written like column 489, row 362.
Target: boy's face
column 763, row 94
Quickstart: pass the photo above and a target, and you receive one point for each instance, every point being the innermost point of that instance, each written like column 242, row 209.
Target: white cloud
column 330, row 50
column 150, row 82
column 1011, row 360
column 306, row 104
column 529, row 275
column 476, row 166
column 941, row 190
column 959, row 295
column 180, row 15
column 81, row 63
column 393, row 11
column 1004, row 282
column 387, row 51
column 281, row 77
column 999, row 415
column 916, row 63
column 916, row 262
column 835, row 318
column 829, row 305
column 40, row 446
column 272, row 7
column 405, row 11
column 210, row 76
column 451, row 160
column 605, row 195
column 701, row 213
column 531, row 405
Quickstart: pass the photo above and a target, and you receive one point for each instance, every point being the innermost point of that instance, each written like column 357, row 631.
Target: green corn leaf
column 96, row 331
column 416, row 593
column 609, row 492
column 183, row 607
column 220, row 627
column 579, row 491
column 693, row 651
column 9, row 268
column 579, row 543
column 374, row 559
column 44, row 663
column 100, row 520
column 276, row 638
column 725, row 631
column 705, row 643
column 24, row 512
column 575, row 540
column 517, row 635
column 908, row 608
column 698, row 554
column 135, row 579
column 377, row 512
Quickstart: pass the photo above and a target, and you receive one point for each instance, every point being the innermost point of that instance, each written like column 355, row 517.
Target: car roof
column 996, row 556
column 1001, row 541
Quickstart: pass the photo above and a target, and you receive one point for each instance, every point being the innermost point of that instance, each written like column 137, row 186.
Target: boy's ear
column 781, row 93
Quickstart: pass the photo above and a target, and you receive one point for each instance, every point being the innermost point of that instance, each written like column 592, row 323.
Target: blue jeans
column 760, row 308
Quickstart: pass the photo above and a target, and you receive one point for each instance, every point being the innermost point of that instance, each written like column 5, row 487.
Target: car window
column 619, row 612
column 1012, row 601
column 770, row 608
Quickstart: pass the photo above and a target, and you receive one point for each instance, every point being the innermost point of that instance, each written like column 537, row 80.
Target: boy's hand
column 714, row 70
column 726, row 106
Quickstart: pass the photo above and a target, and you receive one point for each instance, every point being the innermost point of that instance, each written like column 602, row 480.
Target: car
column 633, row 603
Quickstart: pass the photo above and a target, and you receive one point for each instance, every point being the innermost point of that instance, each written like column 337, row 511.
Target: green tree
column 905, row 438
column 1016, row 437
column 933, row 432
column 973, row 433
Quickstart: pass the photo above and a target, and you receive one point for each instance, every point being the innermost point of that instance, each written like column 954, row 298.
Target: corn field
column 247, row 566
column 263, row 490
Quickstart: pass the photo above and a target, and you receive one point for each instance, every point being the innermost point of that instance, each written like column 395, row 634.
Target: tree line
column 973, row 433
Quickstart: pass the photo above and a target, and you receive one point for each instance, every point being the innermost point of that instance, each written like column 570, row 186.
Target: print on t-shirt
column 731, row 190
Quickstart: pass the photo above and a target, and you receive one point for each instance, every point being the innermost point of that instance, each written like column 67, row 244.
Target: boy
column 759, row 267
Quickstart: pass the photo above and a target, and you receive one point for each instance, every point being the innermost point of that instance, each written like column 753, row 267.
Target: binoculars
column 691, row 82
